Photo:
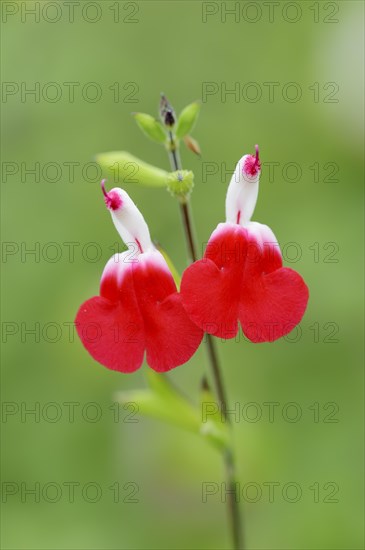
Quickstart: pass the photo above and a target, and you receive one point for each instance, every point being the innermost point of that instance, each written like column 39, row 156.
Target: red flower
column 139, row 308
column 241, row 277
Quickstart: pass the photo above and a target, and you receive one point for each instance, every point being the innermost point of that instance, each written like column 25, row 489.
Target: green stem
column 232, row 495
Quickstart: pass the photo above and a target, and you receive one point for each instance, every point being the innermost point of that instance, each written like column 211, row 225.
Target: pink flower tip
column 112, row 199
column 252, row 165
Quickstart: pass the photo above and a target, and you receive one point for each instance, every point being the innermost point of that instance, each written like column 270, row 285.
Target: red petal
column 171, row 337
column 112, row 332
column 263, row 251
column 210, row 287
column 139, row 309
column 242, row 277
column 118, row 268
column 273, row 299
column 272, row 305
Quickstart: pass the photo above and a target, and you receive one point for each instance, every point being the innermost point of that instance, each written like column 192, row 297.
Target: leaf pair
column 160, row 131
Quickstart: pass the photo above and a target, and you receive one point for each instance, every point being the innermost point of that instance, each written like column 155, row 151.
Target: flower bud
column 193, row 145
column 167, row 112
column 125, row 168
column 151, row 127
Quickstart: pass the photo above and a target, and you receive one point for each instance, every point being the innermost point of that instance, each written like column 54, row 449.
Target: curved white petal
column 128, row 220
column 242, row 192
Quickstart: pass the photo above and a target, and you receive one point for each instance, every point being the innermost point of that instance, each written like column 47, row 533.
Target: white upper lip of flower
column 129, row 221
column 242, row 193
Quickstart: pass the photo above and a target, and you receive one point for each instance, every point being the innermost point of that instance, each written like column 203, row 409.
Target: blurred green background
column 166, row 46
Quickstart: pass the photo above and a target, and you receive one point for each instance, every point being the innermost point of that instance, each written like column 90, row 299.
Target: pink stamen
column 238, row 216
column 252, row 164
column 112, row 199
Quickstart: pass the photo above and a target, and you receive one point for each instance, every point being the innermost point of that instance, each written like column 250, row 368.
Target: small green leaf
column 151, row 127
column 187, row 119
column 126, row 168
column 164, row 402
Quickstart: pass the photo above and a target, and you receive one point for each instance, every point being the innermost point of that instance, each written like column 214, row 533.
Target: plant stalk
column 229, row 462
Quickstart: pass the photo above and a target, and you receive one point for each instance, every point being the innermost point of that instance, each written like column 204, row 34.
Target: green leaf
column 164, row 402
column 126, row 168
column 151, row 127
column 187, row 119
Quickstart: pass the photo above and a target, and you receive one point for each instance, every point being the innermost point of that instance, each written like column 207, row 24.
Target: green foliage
column 151, row 127
column 126, row 168
column 164, row 402
column 187, row 119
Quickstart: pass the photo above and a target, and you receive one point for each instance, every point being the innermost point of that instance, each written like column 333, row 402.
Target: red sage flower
column 241, row 277
column 139, row 309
